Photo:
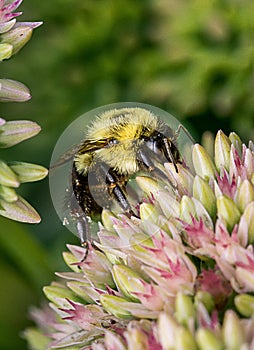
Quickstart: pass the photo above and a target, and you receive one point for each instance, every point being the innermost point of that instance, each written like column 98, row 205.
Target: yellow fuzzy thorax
column 122, row 124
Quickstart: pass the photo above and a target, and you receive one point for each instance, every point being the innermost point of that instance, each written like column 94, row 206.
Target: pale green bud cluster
column 13, row 36
column 236, row 203
column 13, row 174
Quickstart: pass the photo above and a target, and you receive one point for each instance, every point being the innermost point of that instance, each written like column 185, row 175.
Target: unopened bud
column 148, row 212
column 236, row 141
column 6, row 26
column 13, row 91
column 185, row 310
column 136, row 339
column 115, row 305
column 202, row 162
column 59, row 295
column 206, row 299
column 7, row 176
column 245, row 195
column 112, row 341
column 228, row 210
column 14, row 132
column 184, row 340
column 248, row 215
column 27, row 172
column 20, row 210
column 222, row 147
column 5, row 52
column 207, row 340
column 147, row 184
column 245, row 304
column 106, row 218
column 187, row 209
column 232, row 331
column 203, row 192
column 8, row 194
column 167, row 329
column 17, row 37
column 127, row 280
column 36, row 339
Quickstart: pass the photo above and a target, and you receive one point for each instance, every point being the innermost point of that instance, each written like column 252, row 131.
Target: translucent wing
column 91, row 146
column 83, row 147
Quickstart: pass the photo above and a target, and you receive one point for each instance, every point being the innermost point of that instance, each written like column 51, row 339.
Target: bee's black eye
column 157, row 136
column 112, row 142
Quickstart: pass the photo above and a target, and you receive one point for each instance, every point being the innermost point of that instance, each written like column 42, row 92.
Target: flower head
column 13, row 35
column 178, row 277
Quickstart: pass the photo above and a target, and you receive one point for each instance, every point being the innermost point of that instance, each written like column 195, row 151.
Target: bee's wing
column 66, row 157
column 92, row 145
column 83, row 147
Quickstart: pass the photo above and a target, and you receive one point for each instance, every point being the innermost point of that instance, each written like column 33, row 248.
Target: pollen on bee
column 65, row 221
column 113, row 185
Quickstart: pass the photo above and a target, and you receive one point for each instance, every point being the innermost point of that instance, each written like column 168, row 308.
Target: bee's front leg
column 115, row 189
column 147, row 163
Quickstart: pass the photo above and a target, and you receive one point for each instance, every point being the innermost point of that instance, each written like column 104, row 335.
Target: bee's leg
column 82, row 224
column 166, row 147
column 115, row 189
column 119, row 194
column 145, row 158
column 83, row 229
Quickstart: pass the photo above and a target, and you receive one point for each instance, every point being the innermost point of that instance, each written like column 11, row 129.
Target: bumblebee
column 118, row 144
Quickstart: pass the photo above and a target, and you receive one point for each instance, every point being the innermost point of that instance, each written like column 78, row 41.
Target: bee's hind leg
column 82, row 228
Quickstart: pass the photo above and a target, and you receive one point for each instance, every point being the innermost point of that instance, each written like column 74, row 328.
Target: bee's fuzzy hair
column 122, row 124
column 126, row 125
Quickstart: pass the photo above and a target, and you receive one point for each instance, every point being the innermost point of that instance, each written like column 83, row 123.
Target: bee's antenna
column 178, row 130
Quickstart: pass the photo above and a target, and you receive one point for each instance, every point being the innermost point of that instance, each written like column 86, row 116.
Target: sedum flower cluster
column 179, row 277
column 13, row 36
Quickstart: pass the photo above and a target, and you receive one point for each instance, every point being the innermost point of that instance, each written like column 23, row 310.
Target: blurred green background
column 192, row 58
